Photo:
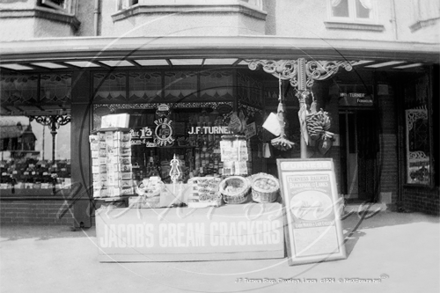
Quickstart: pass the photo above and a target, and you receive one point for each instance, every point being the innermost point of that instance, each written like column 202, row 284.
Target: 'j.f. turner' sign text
column 209, row 130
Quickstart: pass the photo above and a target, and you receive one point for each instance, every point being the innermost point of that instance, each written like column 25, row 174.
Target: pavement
column 386, row 252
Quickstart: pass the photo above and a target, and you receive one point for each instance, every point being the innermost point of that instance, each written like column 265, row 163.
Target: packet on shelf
column 204, row 192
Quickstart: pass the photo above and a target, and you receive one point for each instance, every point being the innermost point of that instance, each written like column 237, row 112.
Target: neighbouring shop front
column 185, row 113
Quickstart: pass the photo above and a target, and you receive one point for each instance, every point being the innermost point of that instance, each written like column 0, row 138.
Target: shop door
column 359, row 148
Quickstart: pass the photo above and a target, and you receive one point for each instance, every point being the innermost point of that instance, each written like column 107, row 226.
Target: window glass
column 55, row 88
column 363, row 9
column 352, row 9
column 18, row 89
column 145, row 87
column 418, row 143
column 60, row 5
column 215, row 85
column 34, row 144
column 340, row 8
column 29, row 163
column 180, row 86
column 110, row 88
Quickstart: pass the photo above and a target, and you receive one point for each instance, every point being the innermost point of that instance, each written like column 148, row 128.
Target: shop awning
column 108, row 52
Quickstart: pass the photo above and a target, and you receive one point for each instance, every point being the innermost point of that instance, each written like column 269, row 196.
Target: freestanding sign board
column 313, row 230
column 251, row 231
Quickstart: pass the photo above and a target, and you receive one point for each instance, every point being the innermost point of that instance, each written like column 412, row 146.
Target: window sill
column 185, row 9
column 44, row 13
column 423, row 23
column 354, row 26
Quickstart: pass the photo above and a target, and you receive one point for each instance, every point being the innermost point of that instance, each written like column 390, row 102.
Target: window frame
column 69, row 6
column 351, row 18
column 256, row 4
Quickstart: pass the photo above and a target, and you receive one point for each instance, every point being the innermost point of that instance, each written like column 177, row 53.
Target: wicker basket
column 265, row 187
column 235, row 189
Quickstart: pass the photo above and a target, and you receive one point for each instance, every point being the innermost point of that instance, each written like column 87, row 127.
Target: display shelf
column 123, row 129
column 115, row 198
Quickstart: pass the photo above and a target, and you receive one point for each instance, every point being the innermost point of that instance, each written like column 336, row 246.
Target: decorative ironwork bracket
column 53, row 121
column 301, row 73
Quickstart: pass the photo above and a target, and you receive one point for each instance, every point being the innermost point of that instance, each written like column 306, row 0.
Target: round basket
column 235, row 189
column 265, row 187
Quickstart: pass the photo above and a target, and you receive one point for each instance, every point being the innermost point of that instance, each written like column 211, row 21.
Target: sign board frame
column 312, row 228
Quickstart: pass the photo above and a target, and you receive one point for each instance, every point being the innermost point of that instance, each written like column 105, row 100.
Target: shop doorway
column 359, row 150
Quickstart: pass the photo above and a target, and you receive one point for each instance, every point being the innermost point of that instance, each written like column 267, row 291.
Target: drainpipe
column 96, row 13
column 394, row 19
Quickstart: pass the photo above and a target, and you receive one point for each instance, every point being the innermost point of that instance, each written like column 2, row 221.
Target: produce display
column 235, row 189
column 265, row 187
column 265, row 184
column 317, row 124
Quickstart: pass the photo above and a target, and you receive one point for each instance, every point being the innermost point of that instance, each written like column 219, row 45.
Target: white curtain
column 367, row 4
column 335, row 2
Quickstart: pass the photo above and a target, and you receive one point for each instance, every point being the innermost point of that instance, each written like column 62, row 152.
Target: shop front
column 186, row 104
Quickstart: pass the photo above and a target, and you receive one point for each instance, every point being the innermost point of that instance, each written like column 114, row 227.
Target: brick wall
column 423, row 200
column 33, row 212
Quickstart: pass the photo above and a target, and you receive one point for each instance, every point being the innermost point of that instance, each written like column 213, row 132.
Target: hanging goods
column 281, row 142
column 317, row 124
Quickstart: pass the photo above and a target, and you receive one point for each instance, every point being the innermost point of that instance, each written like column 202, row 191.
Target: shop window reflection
column 27, row 166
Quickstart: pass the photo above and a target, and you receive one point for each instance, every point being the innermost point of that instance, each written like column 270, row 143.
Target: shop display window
column 419, row 152
column 29, row 164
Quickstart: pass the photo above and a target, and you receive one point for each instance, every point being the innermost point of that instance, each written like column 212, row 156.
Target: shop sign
column 140, row 136
column 253, row 231
column 308, row 189
column 115, row 120
column 251, row 130
column 355, row 99
column 162, row 110
column 209, row 130
column 163, row 132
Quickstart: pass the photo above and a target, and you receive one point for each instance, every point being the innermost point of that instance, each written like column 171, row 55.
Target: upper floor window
column 124, row 4
column 66, row 6
column 352, row 10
